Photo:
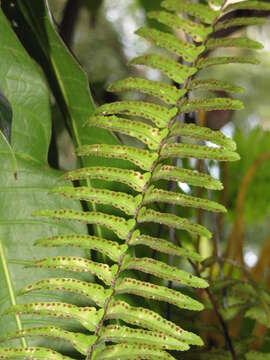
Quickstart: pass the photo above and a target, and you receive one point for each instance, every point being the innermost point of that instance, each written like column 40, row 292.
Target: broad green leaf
column 159, row 115
column 214, row 85
column 93, row 292
column 31, row 353
column 115, row 223
column 109, row 248
column 197, row 31
column 239, row 21
column 164, row 271
column 10, row 154
column 29, row 104
column 68, row 81
column 203, row 12
column 172, row 43
column 31, row 127
column 149, row 135
column 131, row 352
column 198, row 151
column 156, row 292
column 134, row 179
column 125, row 202
column 171, row 220
column 163, row 246
column 86, row 316
column 124, row 334
column 150, row 320
column 173, row 173
column 176, row 72
column 8, row 282
column 237, row 42
column 162, row 196
column 222, row 60
column 5, row 117
column 210, row 104
column 5, row 130
column 139, row 157
column 80, row 342
column 165, row 92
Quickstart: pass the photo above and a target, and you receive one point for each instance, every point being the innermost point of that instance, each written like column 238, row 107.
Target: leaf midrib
column 11, row 294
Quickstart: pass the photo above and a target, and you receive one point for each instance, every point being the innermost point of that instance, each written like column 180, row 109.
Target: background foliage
column 41, row 97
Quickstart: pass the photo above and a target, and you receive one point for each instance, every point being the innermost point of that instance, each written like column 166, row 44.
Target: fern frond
column 171, row 220
column 236, row 42
column 159, row 115
column 210, row 104
column 197, row 31
column 202, row 12
column 78, row 264
column 156, row 292
column 131, row 352
column 158, row 195
column 144, row 159
column 172, row 43
column 165, row 92
column 38, row 353
column 88, row 317
column 197, row 151
column 223, row 60
column 134, row 179
column 149, row 135
column 144, row 169
column 163, row 271
column 94, row 292
column 176, row 72
column 109, row 248
column 242, row 21
column 248, row 5
column 116, row 334
column 150, row 320
column 79, row 341
column 163, row 246
column 214, row 85
column 127, row 203
column 117, row 224
column 191, row 177
column 203, row 134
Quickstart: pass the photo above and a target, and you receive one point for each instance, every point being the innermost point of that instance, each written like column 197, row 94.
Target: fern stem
column 10, row 290
column 121, row 260
column 120, row 263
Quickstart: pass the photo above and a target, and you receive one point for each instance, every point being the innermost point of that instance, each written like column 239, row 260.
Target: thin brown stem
column 218, row 315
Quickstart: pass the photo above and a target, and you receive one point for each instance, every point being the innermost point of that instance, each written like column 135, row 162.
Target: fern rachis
column 153, row 334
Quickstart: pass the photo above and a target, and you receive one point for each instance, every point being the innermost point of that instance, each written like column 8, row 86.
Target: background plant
column 232, row 284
